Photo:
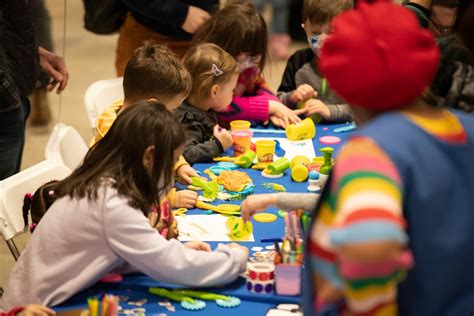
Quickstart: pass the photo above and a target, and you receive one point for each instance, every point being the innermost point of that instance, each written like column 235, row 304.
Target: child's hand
column 303, row 92
column 184, row 173
column 36, row 310
column 256, row 203
column 185, row 198
column 282, row 116
column 314, row 106
column 224, row 136
column 237, row 246
column 198, row 245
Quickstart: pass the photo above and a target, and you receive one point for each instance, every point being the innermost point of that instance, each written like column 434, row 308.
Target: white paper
column 293, row 148
column 204, row 228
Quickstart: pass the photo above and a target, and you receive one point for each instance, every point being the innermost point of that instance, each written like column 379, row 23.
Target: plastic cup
column 303, row 130
column 265, row 150
column 299, row 168
column 246, row 160
column 239, row 125
column 279, row 166
column 241, row 141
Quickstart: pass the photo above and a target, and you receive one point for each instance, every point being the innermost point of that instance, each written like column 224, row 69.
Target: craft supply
column 228, row 165
column 326, row 167
column 282, row 213
column 210, row 189
column 112, row 278
column 265, row 217
column 271, row 176
column 246, row 159
column 241, row 141
column 238, row 230
column 348, row 128
column 278, row 166
column 187, row 302
column 106, row 306
column 216, row 170
column 268, row 130
column 329, row 140
column 315, row 117
column 221, row 300
column 274, row 186
column 265, row 149
column 299, row 168
column 224, row 159
column 260, row 277
column 239, row 125
column 257, row 248
column 180, row 212
column 270, row 239
column 279, row 151
column 226, row 209
column 313, row 179
column 304, row 130
column 233, row 180
column 288, row 279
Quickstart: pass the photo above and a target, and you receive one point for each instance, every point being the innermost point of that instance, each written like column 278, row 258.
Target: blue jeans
column 279, row 23
column 12, row 138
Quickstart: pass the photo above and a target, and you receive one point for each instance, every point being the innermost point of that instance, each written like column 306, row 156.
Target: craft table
column 135, row 287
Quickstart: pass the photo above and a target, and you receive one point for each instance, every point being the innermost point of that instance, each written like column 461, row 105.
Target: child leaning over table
column 214, row 74
column 154, row 72
column 382, row 239
column 99, row 222
column 302, row 80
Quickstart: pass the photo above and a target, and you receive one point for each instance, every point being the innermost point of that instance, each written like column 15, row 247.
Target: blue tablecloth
column 136, row 286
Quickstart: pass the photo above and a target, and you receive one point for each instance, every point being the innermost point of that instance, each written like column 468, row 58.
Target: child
column 302, row 79
column 240, row 30
column 385, row 206
column 98, row 223
column 215, row 75
column 154, row 72
column 29, row 310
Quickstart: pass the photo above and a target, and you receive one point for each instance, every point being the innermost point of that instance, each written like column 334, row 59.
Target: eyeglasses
column 443, row 29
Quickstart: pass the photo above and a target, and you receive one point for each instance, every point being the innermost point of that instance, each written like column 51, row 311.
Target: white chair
column 13, row 190
column 100, row 95
column 66, row 145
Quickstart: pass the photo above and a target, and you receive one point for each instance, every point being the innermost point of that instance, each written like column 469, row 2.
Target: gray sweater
column 79, row 241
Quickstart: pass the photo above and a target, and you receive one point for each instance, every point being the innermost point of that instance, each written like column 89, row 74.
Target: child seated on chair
column 214, row 74
column 302, row 81
column 98, row 224
column 154, row 72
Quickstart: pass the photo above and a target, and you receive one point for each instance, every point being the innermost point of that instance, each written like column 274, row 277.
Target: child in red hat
column 393, row 229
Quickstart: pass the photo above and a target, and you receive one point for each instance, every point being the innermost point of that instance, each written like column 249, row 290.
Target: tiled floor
column 89, row 58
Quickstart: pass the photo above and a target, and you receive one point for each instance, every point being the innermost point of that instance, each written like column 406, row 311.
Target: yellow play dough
column 265, row 217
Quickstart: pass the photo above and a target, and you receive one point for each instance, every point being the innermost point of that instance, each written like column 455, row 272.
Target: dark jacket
column 18, row 53
column 201, row 146
column 167, row 16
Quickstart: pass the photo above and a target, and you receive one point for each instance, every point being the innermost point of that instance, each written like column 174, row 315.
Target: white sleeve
column 131, row 237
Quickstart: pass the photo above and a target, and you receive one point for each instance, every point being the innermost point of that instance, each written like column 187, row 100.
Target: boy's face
column 315, row 29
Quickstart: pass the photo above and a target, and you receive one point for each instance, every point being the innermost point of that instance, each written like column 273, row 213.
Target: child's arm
column 29, row 310
column 197, row 149
column 284, row 201
column 130, row 236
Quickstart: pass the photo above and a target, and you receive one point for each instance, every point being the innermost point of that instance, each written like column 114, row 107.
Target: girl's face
column 222, row 96
column 245, row 61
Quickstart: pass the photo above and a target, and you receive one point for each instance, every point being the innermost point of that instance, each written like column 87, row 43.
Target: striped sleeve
column 368, row 229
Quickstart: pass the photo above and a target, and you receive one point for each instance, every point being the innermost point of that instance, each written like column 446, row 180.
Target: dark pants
column 12, row 138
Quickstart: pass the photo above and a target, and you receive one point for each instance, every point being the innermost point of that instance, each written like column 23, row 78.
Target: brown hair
column 118, row 157
column 320, row 12
column 236, row 28
column 154, row 71
column 208, row 65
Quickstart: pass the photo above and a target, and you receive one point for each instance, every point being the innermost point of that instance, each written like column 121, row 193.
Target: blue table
column 136, row 286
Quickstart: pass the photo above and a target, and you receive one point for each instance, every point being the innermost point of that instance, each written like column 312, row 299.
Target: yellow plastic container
column 246, row 160
column 239, row 125
column 304, row 130
column 265, row 149
column 241, row 141
column 299, row 168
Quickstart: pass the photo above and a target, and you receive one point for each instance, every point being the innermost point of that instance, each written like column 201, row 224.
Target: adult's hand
column 55, row 66
column 195, row 18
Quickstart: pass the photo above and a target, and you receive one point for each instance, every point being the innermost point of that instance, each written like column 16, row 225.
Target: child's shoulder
column 187, row 111
column 301, row 57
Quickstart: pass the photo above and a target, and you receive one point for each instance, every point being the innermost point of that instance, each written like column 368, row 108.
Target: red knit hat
column 378, row 57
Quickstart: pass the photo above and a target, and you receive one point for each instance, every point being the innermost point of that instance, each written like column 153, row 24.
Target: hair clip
column 32, row 227
column 216, row 71
column 51, row 193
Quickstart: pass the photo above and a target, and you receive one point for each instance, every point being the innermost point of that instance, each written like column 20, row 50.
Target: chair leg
column 13, row 249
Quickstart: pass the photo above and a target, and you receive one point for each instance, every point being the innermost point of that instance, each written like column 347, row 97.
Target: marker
column 270, row 240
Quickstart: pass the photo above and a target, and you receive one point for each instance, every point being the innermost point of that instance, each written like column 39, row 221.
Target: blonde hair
column 208, row 65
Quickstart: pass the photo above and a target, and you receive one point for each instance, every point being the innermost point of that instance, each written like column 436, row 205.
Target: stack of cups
column 260, row 277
